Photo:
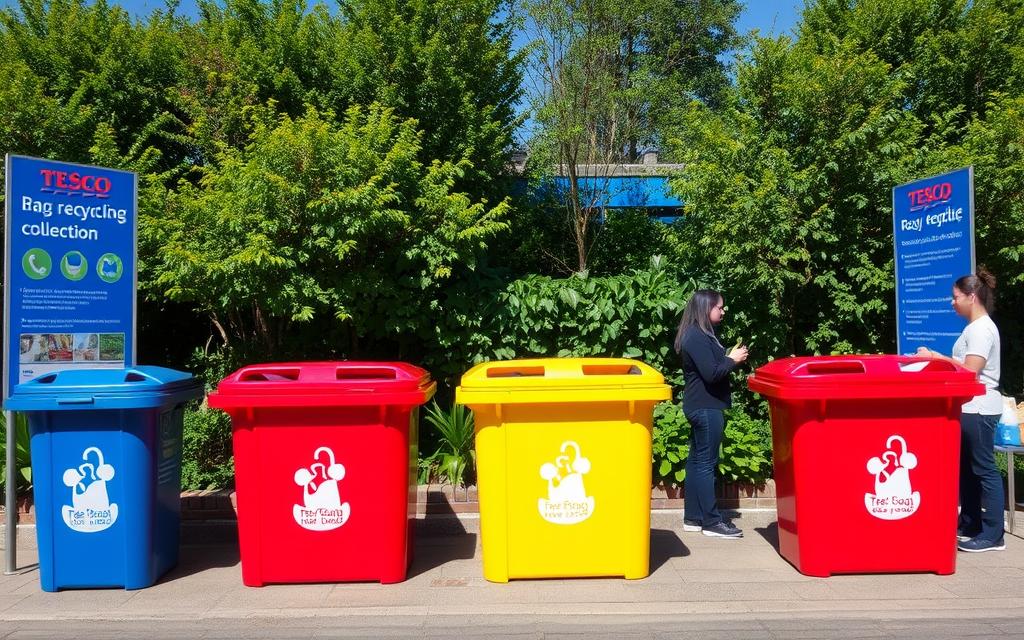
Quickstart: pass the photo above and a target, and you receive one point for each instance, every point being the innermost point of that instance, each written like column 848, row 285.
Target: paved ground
column 699, row 587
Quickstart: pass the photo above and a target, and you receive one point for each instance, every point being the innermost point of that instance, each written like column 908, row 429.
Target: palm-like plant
column 22, row 454
column 455, row 458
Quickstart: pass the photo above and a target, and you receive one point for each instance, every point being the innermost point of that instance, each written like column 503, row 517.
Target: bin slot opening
column 47, row 379
column 365, row 373
column 515, row 372
column 831, row 368
column 133, row 376
column 269, row 375
column 611, row 370
column 940, row 366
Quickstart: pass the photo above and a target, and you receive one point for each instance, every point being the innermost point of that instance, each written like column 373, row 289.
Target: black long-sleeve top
column 706, row 371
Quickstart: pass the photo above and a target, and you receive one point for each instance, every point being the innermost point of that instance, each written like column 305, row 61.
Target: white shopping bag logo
column 321, row 508
column 90, row 509
column 893, row 499
column 567, row 501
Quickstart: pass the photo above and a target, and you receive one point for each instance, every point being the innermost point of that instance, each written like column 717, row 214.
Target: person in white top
column 977, row 348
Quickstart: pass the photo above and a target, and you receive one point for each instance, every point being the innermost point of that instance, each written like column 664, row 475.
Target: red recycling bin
column 325, row 468
column 867, row 456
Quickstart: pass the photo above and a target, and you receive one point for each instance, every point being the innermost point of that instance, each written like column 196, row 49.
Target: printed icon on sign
column 37, row 264
column 894, row 498
column 567, row 501
column 73, row 265
column 90, row 510
column 109, row 268
column 321, row 508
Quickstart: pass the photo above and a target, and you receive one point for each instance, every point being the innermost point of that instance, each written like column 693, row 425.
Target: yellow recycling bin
column 563, row 451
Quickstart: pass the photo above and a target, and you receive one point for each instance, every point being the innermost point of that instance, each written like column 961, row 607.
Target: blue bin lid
column 81, row 388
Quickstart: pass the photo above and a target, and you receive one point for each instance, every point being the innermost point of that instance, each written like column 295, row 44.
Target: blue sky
column 769, row 16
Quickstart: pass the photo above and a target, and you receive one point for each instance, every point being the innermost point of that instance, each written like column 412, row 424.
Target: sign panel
column 933, row 232
column 69, row 268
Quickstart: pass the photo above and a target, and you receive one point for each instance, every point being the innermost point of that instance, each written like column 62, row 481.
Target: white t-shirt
column 981, row 338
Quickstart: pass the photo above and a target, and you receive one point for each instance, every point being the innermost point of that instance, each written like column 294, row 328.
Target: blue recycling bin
column 106, row 470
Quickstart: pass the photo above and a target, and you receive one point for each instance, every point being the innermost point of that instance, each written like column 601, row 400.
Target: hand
column 925, row 352
column 738, row 354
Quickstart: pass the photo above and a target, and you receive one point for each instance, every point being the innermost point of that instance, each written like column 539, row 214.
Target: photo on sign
column 87, row 347
column 45, row 347
column 111, row 346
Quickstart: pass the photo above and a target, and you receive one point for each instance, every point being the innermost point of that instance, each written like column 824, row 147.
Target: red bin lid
column 866, row 376
column 301, row 384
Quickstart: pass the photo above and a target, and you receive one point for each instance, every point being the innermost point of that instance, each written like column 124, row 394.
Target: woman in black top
column 706, row 369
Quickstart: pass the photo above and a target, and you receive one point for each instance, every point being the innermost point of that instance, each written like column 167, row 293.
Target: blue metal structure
column 628, row 191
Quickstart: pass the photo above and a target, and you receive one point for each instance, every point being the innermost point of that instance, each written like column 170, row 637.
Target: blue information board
column 69, row 268
column 933, row 231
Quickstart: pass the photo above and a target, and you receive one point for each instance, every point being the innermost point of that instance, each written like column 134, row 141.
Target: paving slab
column 699, row 587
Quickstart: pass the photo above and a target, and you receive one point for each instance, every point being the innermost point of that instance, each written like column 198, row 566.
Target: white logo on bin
column 90, row 510
column 567, row 501
column 321, row 508
column 893, row 498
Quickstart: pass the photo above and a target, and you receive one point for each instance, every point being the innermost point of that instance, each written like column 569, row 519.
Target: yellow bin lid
column 545, row 380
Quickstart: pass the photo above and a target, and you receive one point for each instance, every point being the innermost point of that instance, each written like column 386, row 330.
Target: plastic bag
column 1008, row 429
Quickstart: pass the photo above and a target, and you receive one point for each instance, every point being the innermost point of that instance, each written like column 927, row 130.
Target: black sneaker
column 961, row 536
column 977, row 545
column 691, row 526
column 722, row 529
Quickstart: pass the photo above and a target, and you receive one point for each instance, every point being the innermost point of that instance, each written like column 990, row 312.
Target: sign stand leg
column 11, row 505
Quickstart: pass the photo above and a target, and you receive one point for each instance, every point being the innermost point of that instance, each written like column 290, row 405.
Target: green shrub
column 627, row 240
column 746, row 446
column 207, row 461
column 633, row 315
column 1018, row 464
column 213, row 366
column 671, row 443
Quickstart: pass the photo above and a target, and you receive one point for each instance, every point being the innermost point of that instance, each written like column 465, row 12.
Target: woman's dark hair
column 982, row 284
column 697, row 314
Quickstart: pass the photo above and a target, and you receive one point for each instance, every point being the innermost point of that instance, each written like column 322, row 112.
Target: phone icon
column 36, row 264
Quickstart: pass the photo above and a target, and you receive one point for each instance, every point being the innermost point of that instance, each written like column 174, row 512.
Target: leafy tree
column 247, row 53
column 449, row 65
column 788, row 187
column 33, row 122
column 85, row 71
column 955, row 55
column 787, row 196
column 311, row 222
column 994, row 145
column 603, row 75
column 674, row 51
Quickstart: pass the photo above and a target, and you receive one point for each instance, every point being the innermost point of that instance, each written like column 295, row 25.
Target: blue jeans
column 706, row 427
column 980, row 482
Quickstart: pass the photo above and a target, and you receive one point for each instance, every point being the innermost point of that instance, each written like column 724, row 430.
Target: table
column 1010, row 451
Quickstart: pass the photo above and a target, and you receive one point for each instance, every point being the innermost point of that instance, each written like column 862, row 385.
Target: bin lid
column 89, row 388
column 339, row 383
column 864, row 376
column 561, row 380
